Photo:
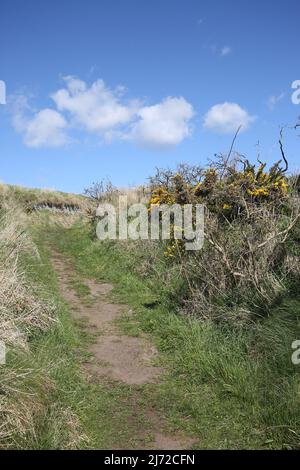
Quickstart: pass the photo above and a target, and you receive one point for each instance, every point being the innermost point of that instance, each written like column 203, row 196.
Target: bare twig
column 282, row 151
column 231, row 148
column 279, row 234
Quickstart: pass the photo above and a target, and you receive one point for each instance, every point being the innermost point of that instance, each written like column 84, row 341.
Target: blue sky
column 114, row 88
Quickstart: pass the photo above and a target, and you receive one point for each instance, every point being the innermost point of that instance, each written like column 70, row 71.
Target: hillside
column 107, row 348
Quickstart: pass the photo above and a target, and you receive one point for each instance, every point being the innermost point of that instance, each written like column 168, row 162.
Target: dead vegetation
column 22, row 314
column 251, row 254
column 25, row 384
column 32, row 200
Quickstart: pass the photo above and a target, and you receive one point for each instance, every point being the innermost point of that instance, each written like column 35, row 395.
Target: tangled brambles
column 251, row 253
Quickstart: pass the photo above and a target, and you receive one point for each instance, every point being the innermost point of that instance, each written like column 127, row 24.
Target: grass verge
column 75, row 412
column 230, row 389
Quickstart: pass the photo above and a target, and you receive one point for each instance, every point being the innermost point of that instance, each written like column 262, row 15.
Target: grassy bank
column 229, row 388
column 46, row 401
column 76, row 412
column 226, row 385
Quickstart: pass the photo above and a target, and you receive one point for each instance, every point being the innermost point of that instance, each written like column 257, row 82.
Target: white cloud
column 274, row 100
column 96, row 108
column 226, row 118
column 226, row 50
column 46, row 128
column 105, row 112
column 18, row 106
column 163, row 125
column 219, row 51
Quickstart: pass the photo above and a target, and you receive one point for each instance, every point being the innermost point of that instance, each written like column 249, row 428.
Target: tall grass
column 30, row 405
column 22, row 315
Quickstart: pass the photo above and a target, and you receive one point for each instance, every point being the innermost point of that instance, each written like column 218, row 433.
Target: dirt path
column 115, row 356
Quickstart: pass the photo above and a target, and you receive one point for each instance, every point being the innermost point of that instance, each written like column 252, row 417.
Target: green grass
column 230, row 389
column 99, row 407
column 29, row 197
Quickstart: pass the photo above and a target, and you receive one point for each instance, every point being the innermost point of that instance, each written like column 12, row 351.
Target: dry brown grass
column 25, row 384
column 21, row 311
column 136, row 195
column 22, row 314
column 45, row 199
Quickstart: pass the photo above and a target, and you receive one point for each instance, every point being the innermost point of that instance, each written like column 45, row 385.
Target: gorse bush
column 225, row 317
column 251, row 252
column 225, row 188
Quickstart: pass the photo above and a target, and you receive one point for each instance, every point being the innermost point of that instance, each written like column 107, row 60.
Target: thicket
column 250, row 259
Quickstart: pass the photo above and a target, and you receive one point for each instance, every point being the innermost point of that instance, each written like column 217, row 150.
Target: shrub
column 252, row 217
